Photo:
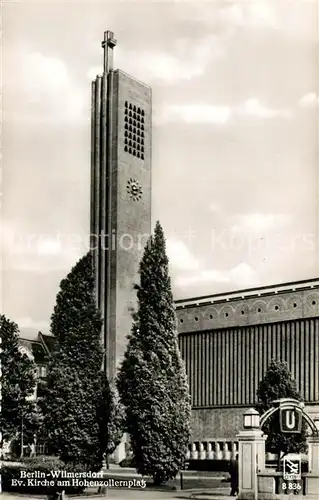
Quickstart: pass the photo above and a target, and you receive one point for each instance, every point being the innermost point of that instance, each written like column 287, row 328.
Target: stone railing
column 220, row 449
column 210, row 449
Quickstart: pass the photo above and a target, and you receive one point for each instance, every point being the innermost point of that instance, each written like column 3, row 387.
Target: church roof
column 248, row 293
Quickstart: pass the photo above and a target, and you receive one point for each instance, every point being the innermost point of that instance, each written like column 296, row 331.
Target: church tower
column 121, row 153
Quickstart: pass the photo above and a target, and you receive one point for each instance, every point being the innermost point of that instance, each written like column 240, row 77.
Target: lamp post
column 22, row 437
column 251, row 419
column 251, row 441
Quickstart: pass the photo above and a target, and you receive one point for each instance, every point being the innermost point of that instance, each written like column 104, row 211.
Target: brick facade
column 228, row 341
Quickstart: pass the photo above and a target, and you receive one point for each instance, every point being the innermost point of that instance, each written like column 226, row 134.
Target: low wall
column 270, row 486
column 211, row 424
column 214, row 423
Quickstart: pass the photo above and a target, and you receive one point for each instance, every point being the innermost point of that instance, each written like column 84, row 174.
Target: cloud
column 185, row 61
column 218, row 115
column 43, row 73
column 180, row 257
column 243, row 275
column 309, row 100
column 261, row 221
column 197, row 114
column 204, row 276
column 254, row 109
column 47, row 90
column 214, row 207
column 297, row 19
column 254, row 14
column 256, row 231
column 49, row 247
column 41, row 253
column 291, row 19
column 28, row 322
column 239, row 275
column 233, row 16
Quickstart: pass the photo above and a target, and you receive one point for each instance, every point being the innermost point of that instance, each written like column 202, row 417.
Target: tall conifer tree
column 75, row 403
column 152, row 381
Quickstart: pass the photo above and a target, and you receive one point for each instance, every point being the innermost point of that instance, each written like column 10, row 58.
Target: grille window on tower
column 134, row 116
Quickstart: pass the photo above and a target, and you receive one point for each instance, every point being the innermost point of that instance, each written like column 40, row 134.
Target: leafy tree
column 73, row 402
column 277, row 384
column 18, row 380
column 152, row 380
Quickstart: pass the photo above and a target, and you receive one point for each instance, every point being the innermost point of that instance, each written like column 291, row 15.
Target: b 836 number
column 291, row 486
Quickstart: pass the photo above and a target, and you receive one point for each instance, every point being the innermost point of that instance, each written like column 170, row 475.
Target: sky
column 235, row 140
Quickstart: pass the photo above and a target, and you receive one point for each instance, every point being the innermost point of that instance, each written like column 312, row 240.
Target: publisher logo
column 292, row 468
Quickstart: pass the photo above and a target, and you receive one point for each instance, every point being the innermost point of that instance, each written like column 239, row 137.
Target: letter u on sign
column 290, row 420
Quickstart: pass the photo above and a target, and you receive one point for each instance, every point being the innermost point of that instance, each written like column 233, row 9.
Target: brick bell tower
column 121, row 133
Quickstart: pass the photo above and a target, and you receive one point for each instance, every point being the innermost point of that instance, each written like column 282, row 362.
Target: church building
column 227, row 340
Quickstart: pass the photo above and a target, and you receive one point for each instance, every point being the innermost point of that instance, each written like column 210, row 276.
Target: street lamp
column 251, row 419
column 22, row 436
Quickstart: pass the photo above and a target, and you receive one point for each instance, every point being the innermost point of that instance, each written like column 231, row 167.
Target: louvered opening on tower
column 134, row 118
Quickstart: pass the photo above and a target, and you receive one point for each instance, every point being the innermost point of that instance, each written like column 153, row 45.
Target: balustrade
column 221, row 449
column 212, row 450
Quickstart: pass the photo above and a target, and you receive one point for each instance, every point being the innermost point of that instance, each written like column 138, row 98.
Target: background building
column 38, row 347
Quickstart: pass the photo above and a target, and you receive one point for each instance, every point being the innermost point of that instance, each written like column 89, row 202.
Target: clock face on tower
column 134, row 190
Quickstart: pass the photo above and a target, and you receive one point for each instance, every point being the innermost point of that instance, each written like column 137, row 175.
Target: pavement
column 191, row 480
column 120, row 494
column 196, row 486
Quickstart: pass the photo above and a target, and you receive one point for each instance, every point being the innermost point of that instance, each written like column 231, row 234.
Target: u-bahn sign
column 291, row 413
column 290, row 419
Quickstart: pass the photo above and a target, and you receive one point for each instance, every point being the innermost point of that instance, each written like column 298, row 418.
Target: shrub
column 43, row 464
column 8, row 474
